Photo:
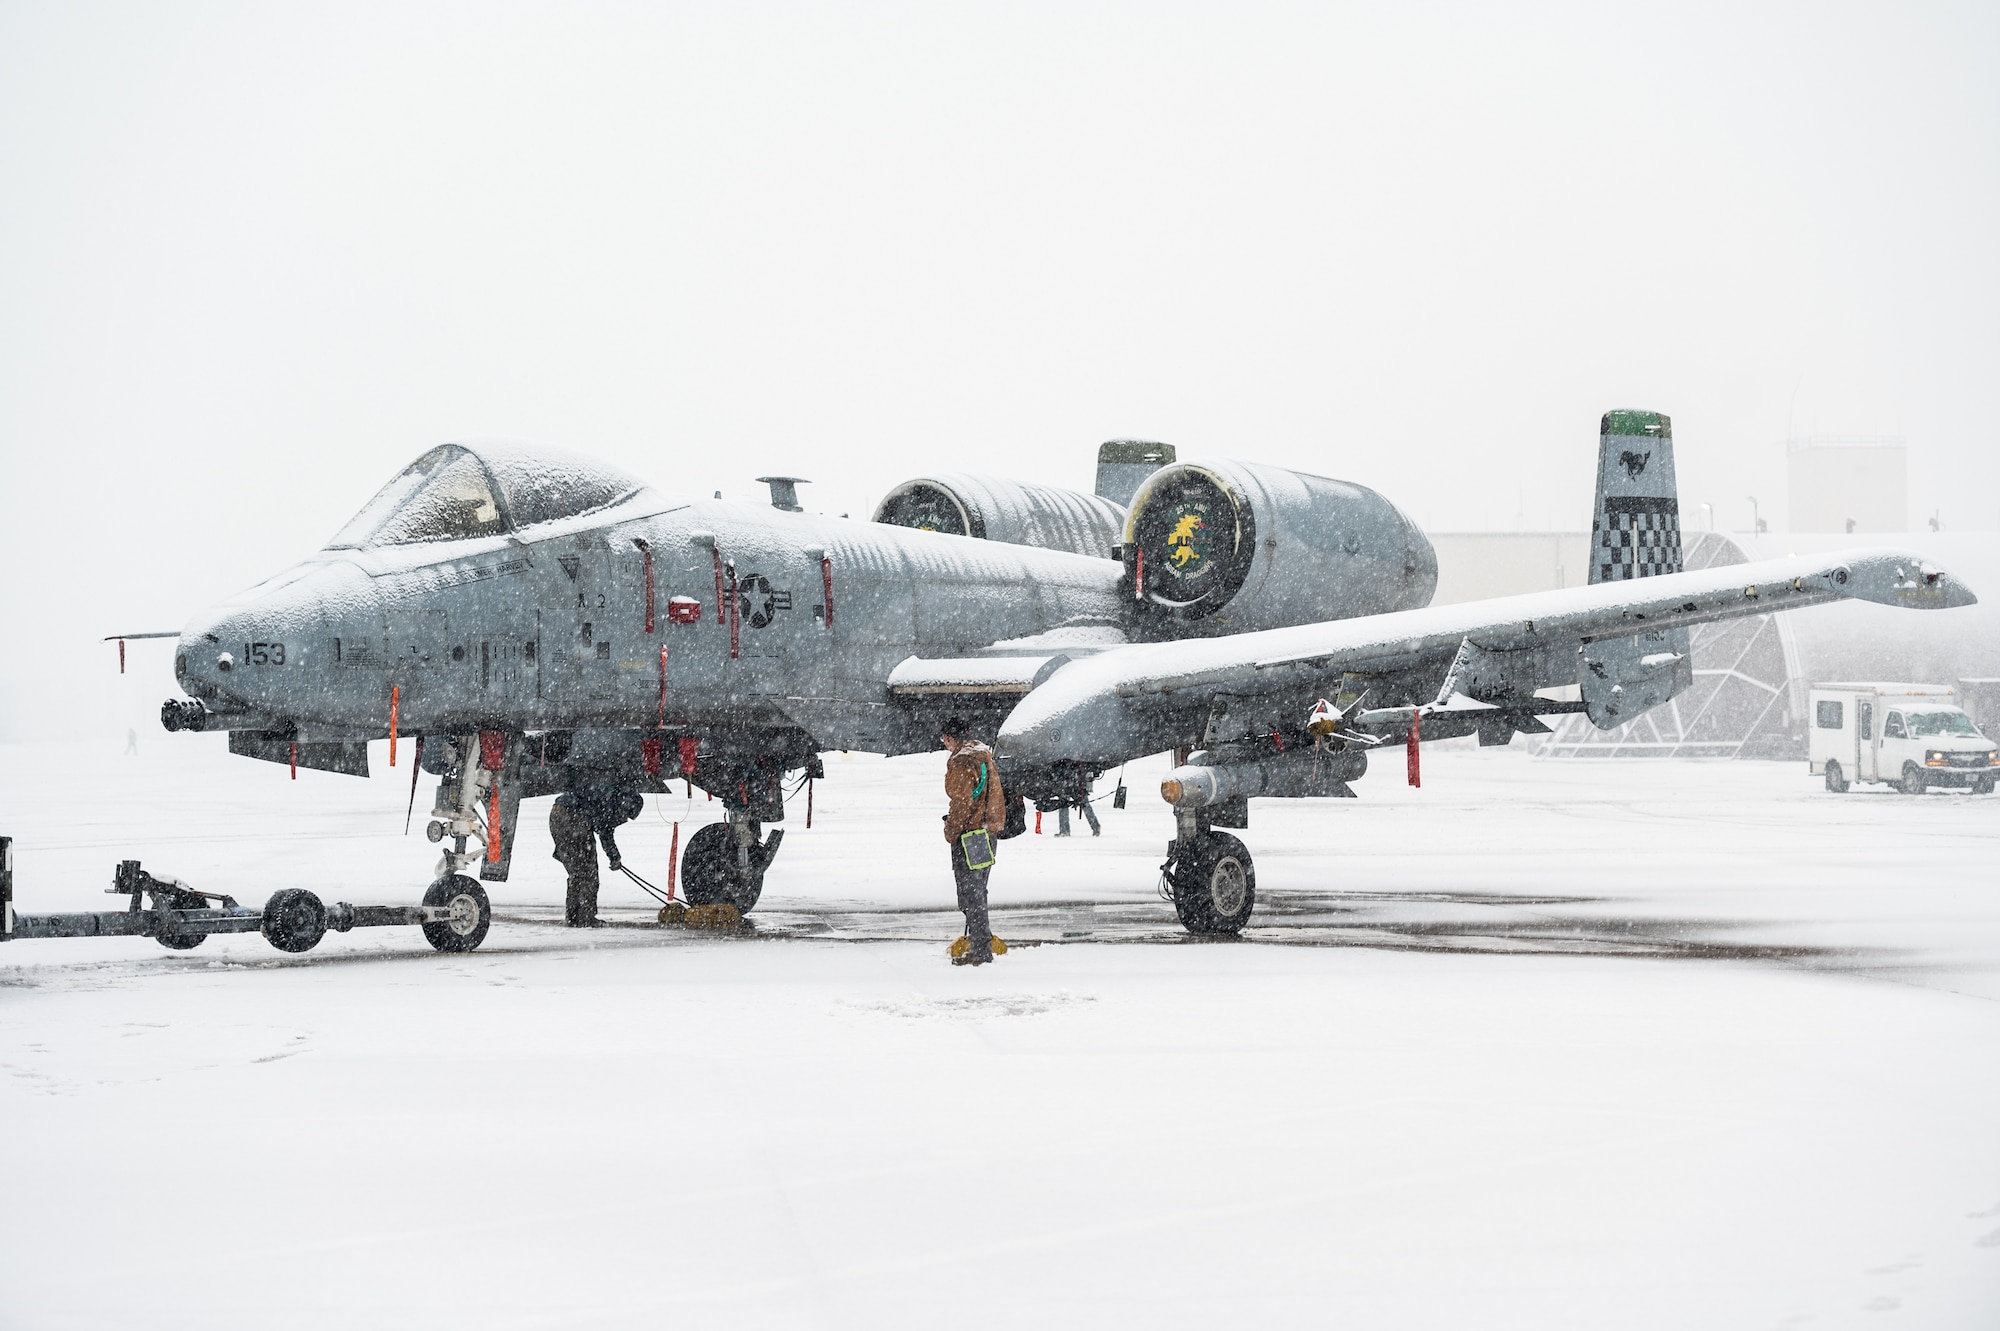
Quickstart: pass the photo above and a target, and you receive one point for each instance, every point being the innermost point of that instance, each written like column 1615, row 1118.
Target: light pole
column 1756, row 520
column 1709, row 509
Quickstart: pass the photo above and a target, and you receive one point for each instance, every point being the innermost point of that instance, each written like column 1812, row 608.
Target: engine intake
column 1253, row 547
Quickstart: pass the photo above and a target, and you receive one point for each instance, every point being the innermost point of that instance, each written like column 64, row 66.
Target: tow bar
column 454, row 916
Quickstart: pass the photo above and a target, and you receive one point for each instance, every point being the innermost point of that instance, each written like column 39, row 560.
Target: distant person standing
column 585, row 813
column 1082, row 806
column 972, row 825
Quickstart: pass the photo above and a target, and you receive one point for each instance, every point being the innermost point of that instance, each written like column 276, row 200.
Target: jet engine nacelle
column 1246, row 546
column 994, row 508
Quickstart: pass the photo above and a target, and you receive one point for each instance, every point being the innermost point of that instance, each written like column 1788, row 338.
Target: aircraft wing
column 1135, row 700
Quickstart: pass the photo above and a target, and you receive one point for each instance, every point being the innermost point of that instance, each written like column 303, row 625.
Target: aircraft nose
column 250, row 652
column 202, row 664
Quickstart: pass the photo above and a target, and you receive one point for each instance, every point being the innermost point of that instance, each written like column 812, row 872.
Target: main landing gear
column 725, row 862
column 1210, row 878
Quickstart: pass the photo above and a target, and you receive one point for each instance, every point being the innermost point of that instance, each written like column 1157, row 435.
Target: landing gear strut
column 461, row 809
column 725, row 862
column 1209, row 873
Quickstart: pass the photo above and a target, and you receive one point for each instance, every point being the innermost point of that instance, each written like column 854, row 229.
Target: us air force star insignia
column 758, row 603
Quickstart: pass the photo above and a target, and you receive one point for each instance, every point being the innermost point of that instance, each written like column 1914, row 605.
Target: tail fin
column 1636, row 533
column 1123, row 463
column 1636, row 526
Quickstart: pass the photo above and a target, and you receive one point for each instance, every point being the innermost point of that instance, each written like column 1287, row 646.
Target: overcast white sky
column 254, row 258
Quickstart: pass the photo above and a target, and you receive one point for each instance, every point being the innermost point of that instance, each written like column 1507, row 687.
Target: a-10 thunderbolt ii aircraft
column 538, row 620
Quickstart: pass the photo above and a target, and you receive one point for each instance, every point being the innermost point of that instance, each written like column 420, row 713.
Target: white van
column 1912, row 736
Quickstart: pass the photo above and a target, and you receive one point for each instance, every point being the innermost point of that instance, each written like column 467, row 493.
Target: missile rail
column 177, row 915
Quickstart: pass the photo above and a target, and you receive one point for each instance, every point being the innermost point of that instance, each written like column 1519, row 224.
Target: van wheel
column 1913, row 779
column 1836, row 780
column 1982, row 785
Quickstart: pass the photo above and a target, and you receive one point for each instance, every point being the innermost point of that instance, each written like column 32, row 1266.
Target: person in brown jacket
column 972, row 785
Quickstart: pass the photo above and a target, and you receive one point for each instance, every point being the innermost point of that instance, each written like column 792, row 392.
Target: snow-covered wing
column 1108, row 708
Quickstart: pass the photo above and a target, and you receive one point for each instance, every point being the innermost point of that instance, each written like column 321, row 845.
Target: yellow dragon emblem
column 1180, row 541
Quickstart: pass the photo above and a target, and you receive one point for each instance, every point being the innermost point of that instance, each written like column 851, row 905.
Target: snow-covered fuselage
column 548, row 630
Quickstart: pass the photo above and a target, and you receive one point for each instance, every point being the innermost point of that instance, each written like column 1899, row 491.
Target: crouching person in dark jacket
column 580, row 815
column 972, row 785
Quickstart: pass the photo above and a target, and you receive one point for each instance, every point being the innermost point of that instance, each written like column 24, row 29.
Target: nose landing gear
column 461, row 810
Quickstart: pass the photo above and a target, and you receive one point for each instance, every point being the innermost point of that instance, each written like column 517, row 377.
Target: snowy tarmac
column 1540, row 1044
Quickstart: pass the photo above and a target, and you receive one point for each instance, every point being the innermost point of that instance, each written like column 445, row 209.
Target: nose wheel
column 463, row 914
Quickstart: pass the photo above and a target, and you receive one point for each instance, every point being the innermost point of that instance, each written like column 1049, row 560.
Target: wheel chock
column 962, row 945
column 722, row 915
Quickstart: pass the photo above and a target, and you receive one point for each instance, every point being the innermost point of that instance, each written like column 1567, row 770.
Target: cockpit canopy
column 458, row 491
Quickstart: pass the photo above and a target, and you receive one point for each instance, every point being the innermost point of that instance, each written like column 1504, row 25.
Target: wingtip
column 1901, row 578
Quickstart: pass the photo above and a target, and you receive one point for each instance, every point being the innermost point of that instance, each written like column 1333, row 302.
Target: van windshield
column 1946, row 721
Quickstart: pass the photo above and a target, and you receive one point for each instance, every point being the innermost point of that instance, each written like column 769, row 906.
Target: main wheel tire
column 709, row 874
column 182, row 942
column 1215, row 886
column 1836, row 780
column 471, row 914
column 1913, row 779
column 294, row 920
